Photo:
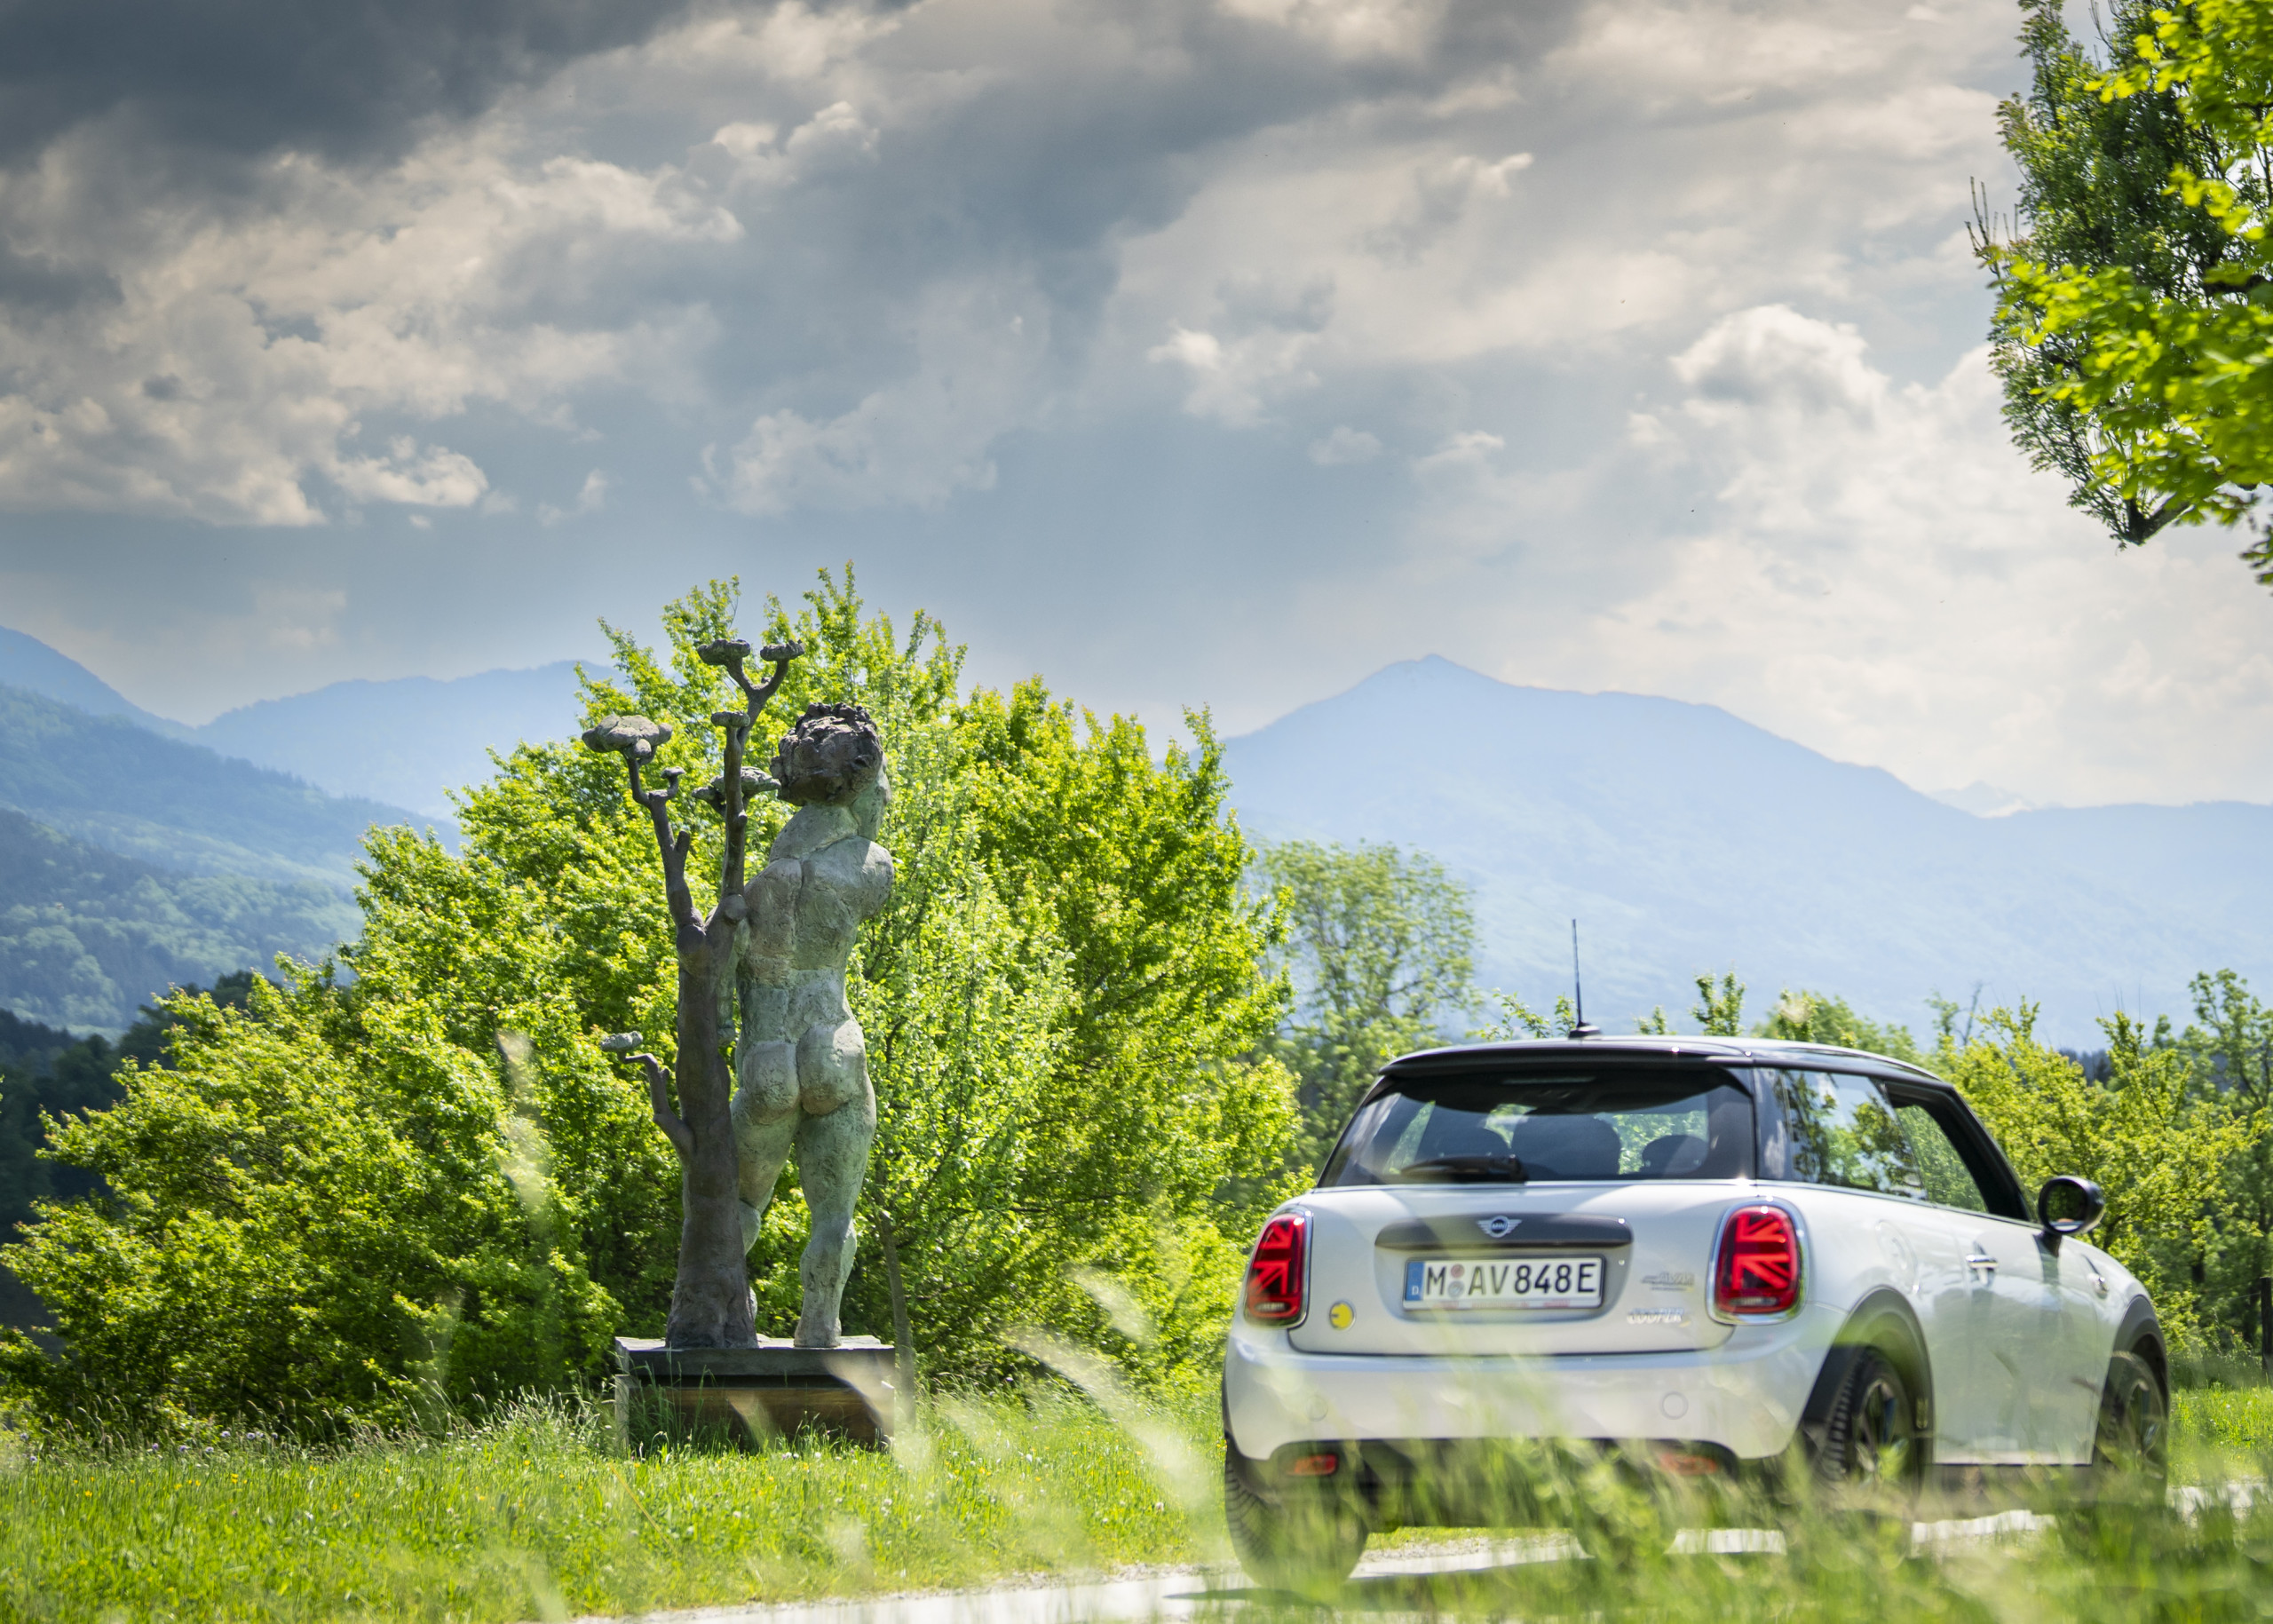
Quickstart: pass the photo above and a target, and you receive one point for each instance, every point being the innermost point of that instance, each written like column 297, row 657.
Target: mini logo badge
column 1497, row 1227
column 1339, row 1316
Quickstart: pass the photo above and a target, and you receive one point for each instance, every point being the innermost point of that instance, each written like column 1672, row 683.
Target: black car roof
column 1738, row 1050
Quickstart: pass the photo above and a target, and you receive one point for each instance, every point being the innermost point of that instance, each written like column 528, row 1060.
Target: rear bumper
column 1744, row 1396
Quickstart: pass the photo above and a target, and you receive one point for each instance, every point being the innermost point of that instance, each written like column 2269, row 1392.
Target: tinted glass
column 1949, row 1183
column 1839, row 1130
column 1610, row 1122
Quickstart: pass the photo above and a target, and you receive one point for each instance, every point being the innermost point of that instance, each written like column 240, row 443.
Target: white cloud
column 1881, row 576
column 591, row 498
column 1344, row 446
column 427, row 477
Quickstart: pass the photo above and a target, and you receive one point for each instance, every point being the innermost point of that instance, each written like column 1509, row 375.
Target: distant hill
column 1686, row 840
column 27, row 663
column 111, row 783
column 87, row 935
column 408, row 742
column 404, row 743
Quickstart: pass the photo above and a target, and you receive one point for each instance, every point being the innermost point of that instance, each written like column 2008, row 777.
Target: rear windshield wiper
column 1504, row 1170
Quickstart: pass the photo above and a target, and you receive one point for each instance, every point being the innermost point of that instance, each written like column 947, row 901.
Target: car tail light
column 1758, row 1271
column 1275, row 1272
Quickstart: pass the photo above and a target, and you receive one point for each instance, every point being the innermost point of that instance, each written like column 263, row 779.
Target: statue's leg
column 765, row 1125
column 837, row 1124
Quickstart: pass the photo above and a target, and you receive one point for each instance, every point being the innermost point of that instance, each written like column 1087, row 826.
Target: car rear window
column 1588, row 1123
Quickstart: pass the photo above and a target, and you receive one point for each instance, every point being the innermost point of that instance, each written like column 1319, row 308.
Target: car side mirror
column 2068, row 1206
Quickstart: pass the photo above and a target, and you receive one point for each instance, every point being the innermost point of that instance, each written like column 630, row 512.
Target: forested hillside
column 87, row 935
column 108, row 783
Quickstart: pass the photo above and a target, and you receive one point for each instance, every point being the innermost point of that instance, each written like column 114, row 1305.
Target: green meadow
column 537, row 1514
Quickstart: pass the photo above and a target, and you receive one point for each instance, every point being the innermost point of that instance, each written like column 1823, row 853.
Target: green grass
column 537, row 1515
column 2226, row 1418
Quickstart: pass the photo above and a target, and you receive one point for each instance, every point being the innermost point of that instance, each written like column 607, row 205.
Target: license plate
column 1526, row 1282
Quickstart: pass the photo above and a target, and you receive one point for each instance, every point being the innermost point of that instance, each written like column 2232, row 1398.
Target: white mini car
column 1701, row 1252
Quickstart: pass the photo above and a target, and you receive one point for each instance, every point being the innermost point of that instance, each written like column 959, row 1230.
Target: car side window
column 1843, row 1131
column 1950, row 1142
column 1949, row 1182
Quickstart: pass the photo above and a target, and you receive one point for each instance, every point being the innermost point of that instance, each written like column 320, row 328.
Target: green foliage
column 1720, row 1008
column 87, row 935
column 2228, row 1048
column 1380, row 946
column 47, row 1073
column 2154, row 1146
column 346, row 1204
column 2133, row 327
column 1818, row 1017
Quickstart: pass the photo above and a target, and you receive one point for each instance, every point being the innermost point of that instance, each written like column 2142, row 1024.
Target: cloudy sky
column 1189, row 351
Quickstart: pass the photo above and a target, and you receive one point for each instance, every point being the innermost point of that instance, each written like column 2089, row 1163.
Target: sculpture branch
column 672, row 845
column 728, row 654
column 659, row 1099
column 659, row 1090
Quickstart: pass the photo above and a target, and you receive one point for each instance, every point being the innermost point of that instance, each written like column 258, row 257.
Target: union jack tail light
column 1758, row 1273
column 1276, row 1272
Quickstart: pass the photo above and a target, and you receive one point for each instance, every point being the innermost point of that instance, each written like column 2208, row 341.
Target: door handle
column 1978, row 1259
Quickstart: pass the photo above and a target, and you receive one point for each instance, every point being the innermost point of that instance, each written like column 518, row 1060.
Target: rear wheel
column 2134, row 1438
column 1870, row 1438
column 1308, row 1542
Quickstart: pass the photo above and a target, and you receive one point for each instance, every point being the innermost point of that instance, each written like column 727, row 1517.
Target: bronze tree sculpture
column 710, row 1299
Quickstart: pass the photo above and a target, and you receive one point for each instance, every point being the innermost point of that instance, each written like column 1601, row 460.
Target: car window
column 1614, row 1121
column 1949, row 1182
column 1841, row 1130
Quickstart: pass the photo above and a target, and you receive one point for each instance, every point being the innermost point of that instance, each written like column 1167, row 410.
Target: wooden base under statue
column 751, row 1396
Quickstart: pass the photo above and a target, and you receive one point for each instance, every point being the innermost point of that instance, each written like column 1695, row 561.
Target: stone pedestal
column 750, row 1396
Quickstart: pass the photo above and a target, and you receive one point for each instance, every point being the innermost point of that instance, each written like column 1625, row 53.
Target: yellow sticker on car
column 1339, row 1316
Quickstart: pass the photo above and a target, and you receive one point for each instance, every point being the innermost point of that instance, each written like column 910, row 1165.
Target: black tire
column 1309, row 1542
column 1870, row 1438
column 2134, row 1438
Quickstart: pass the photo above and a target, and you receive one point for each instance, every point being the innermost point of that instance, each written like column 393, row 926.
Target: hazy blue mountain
column 107, row 782
column 408, row 742
column 27, row 663
column 1685, row 840
column 403, row 743
column 87, row 935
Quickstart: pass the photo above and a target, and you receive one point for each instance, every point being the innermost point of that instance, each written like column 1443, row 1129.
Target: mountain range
column 1684, row 840
column 405, row 743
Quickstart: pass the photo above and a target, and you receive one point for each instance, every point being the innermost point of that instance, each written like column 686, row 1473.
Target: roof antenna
column 1579, row 1027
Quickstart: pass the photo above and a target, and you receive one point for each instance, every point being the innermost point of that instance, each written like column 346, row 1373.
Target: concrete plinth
column 753, row 1395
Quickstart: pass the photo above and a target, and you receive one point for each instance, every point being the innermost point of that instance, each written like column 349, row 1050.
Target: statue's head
column 831, row 757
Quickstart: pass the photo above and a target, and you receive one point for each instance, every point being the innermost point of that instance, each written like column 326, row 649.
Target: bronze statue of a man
column 801, row 1064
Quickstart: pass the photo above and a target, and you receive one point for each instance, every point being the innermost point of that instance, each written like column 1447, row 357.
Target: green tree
column 370, row 1196
column 2150, row 1142
column 1720, row 1008
column 2229, row 1047
column 2133, row 327
column 1380, row 947
column 1818, row 1017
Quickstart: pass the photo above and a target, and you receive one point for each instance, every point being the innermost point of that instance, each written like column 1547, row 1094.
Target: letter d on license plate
column 1528, row 1282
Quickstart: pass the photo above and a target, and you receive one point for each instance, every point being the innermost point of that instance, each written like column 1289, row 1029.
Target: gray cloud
column 347, row 79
